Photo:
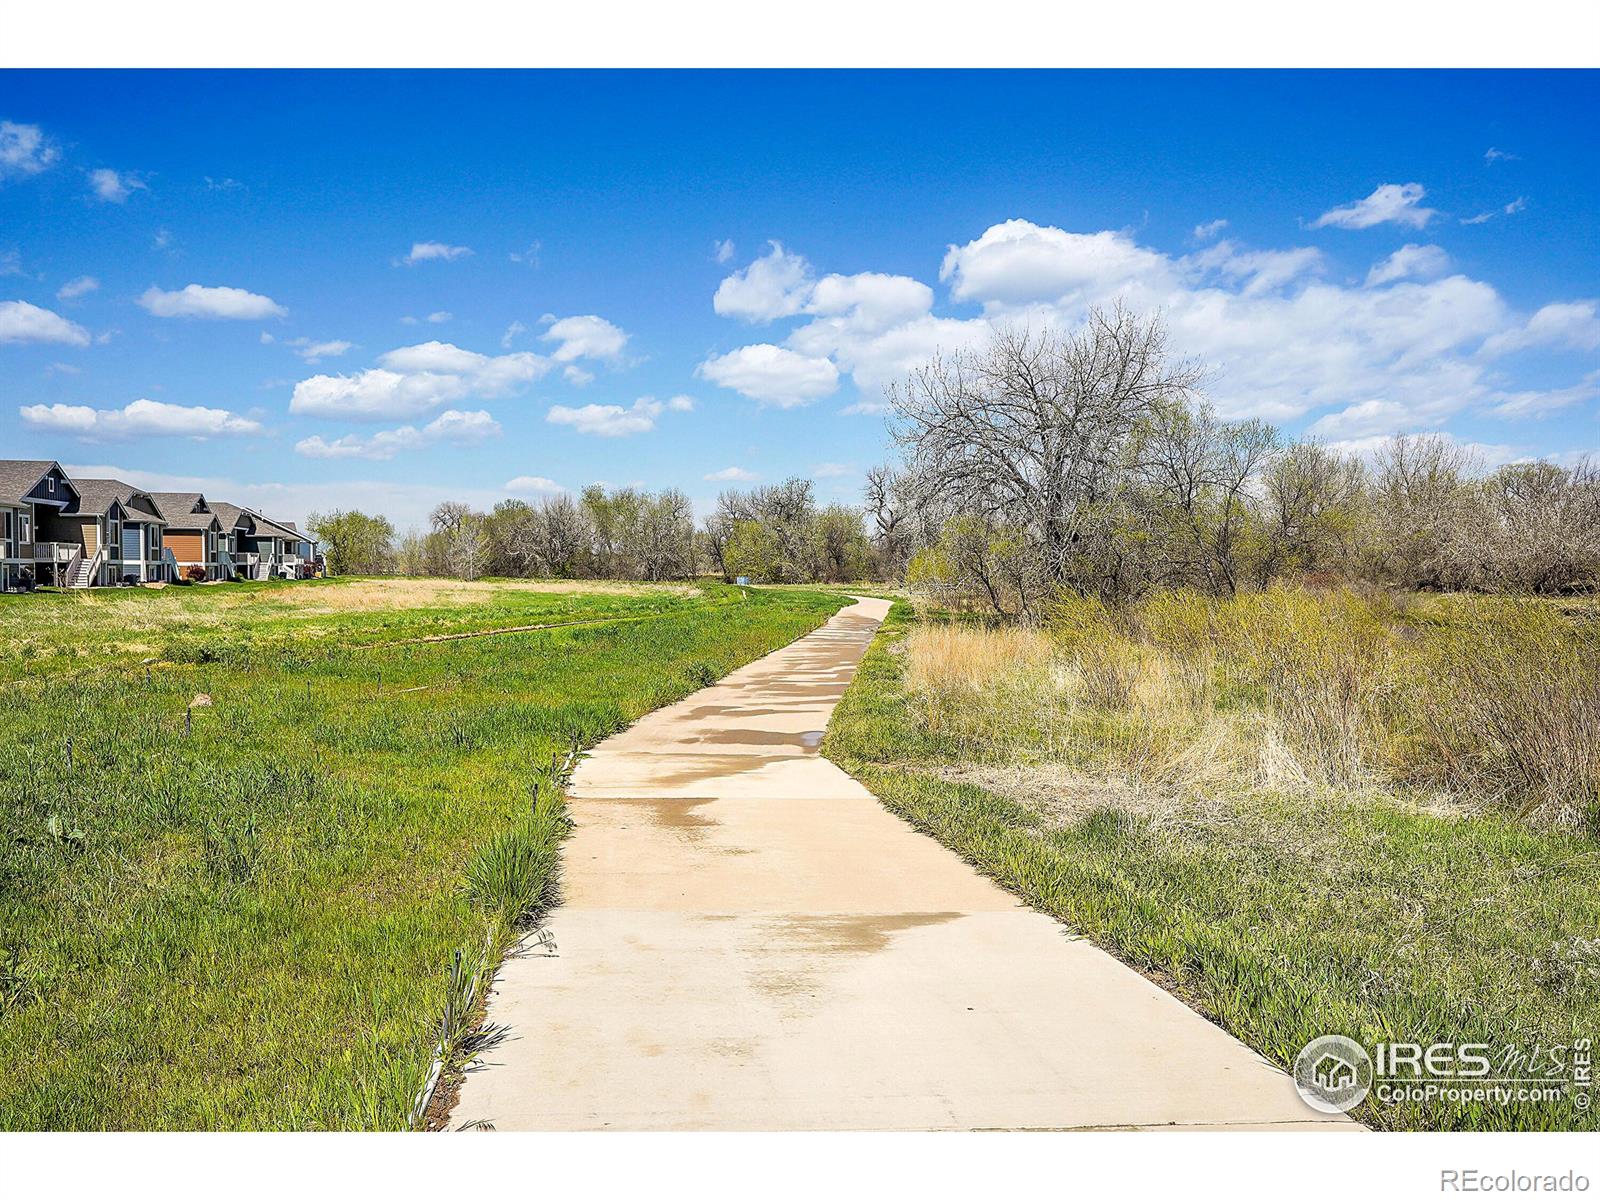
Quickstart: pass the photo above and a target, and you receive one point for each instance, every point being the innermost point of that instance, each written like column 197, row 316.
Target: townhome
column 195, row 536
column 66, row 532
column 263, row 548
column 293, row 552
column 32, row 490
column 238, row 539
column 120, row 531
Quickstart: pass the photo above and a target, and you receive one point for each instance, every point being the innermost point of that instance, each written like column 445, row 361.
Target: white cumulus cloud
column 214, row 303
column 731, row 475
column 1573, row 326
column 24, row 149
column 142, row 418
column 775, row 285
column 1411, row 261
column 81, row 286
column 314, row 351
column 1018, row 262
column 772, row 374
column 1412, row 349
column 1400, row 203
column 583, row 337
column 434, row 252
column 24, row 322
column 455, row 427
column 533, row 485
column 114, row 187
column 612, row 420
column 413, row 380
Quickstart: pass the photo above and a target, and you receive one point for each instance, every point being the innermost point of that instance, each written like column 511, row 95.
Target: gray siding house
column 33, row 491
column 68, row 532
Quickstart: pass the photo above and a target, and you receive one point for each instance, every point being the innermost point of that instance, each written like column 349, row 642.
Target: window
column 27, row 528
column 50, row 484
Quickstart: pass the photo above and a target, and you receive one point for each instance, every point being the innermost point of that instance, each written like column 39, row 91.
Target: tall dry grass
column 988, row 691
column 1475, row 701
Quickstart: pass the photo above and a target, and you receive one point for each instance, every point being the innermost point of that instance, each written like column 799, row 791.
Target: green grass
column 60, row 631
column 1282, row 913
column 250, row 926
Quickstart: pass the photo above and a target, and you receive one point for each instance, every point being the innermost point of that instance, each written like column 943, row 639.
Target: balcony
column 54, row 552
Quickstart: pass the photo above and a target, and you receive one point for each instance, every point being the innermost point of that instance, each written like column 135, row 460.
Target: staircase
column 81, row 571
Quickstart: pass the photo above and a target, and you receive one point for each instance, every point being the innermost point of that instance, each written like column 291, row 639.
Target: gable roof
column 96, row 496
column 229, row 514
column 19, row 476
column 276, row 528
column 179, row 507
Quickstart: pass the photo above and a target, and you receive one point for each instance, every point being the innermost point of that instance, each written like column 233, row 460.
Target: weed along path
column 748, row 940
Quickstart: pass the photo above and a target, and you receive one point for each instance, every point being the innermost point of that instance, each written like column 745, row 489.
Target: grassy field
column 1303, row 813
column 52, row 632
column 240, row 915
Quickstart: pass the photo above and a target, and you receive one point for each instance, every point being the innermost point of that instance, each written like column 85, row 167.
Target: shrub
column 1316, row 662
column 700, row 673
column 193, row 573
column 515, row 878
column 1502, row 703
column 1108, row 672
column 1469, row 699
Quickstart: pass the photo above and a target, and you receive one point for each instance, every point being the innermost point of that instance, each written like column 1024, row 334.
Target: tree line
column 1088, row 460
column 775, row 534
column 1085, row 460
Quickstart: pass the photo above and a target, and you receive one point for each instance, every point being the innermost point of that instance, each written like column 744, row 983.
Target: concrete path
column 750, row 941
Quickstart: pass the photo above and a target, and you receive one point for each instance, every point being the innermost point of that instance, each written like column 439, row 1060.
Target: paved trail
column 750, row 941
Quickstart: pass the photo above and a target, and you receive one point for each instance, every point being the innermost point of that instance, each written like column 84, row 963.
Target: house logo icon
column 1333, row 1074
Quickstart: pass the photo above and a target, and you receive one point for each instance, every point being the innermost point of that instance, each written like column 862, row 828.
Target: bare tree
column 1034, row 431
column 460, row 534
column 561, row 537
column 785, row 513
column 662, row 537
column 891, row 516
column 841, row 550
column 1422, row 502
column 1543, row 533
column 715, row 531
column 1312, row 506
column 1196, row 470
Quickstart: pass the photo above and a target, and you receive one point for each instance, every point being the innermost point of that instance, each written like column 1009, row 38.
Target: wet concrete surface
column 749, row 940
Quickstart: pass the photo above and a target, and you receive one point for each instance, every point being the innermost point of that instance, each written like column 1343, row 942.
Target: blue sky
column 307, row 290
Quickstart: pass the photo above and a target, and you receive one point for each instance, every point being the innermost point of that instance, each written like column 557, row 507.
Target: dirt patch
column 377, row 594
column 1059, row 794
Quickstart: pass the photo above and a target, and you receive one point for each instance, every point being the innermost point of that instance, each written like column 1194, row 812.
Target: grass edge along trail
column 1240, row 930
column 265, row 921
